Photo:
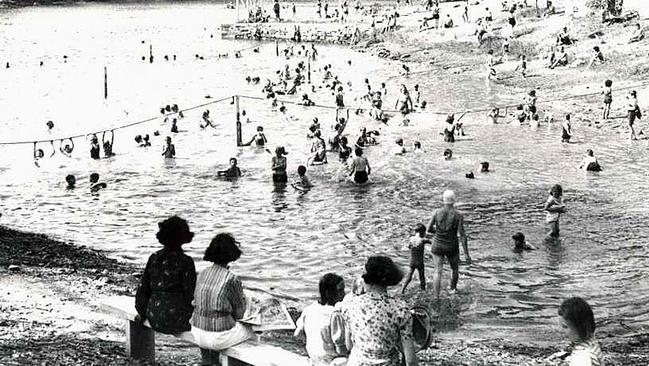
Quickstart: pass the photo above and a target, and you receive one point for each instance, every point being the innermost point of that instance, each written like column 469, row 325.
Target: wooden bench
column 140, row 341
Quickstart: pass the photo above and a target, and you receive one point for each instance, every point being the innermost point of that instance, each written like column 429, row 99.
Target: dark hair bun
column 381, row 270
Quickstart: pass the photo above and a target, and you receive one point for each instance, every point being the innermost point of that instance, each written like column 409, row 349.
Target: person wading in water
column 447, row 223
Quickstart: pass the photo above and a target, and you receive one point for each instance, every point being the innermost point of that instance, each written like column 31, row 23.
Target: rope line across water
column 323, row 106
column 118, row 127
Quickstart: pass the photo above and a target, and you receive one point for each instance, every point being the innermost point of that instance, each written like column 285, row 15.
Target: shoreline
column 71, row 277
column 52, row 301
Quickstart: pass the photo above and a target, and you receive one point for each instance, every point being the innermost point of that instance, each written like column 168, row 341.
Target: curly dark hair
column 222, row 250
column 381, row 270
column 174, row 232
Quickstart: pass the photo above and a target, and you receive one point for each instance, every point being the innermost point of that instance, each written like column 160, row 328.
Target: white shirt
column 324, row 328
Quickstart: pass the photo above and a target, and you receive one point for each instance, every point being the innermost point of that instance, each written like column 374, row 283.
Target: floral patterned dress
column 166, row 291
column 377, row 324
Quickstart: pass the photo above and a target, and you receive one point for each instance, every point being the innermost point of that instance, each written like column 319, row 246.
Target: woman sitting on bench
column 219, row 302
column 166, row 289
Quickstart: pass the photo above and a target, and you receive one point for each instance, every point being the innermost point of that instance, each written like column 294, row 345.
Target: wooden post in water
column 150, row 53
column 105, row 82
column 308, row 67
column 277, row 48
column 236, row 107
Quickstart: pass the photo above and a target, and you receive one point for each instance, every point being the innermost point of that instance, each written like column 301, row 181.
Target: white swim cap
column 448, row 197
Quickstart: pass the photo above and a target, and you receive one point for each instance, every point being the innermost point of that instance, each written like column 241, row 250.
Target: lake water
column 290, row 239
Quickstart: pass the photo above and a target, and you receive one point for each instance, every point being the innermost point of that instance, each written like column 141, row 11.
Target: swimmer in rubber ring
column 360, row 167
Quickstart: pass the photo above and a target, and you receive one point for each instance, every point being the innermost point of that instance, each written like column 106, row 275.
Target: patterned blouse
column 166, row 290
column 586, row 354
column 378, row 324
column 219, row 301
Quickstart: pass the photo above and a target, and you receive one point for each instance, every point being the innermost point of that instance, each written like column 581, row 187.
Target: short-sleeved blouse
column 378, row 324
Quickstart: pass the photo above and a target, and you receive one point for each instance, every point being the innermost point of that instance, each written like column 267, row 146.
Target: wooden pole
column 150, row 53
column 277, row 48
column 236, row 107
column 308, row 67
column 105, row 82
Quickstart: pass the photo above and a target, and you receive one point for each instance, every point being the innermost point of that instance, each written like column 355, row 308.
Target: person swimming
column 174, row 126
column 232, row 172
column 169, row 151
column 95, row 185
column 39, row 153
column 303, row 182
column 448, row 154
column 484, row 167
column 108, row 145
column 360, row 167
column 67, row 149
column 259, row 138
column 520, row 245
column 206, row 119
column 71, row 180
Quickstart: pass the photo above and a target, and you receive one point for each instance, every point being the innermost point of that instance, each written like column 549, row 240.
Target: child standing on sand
column 554, row 208
column 416, row 245
column 608, row 97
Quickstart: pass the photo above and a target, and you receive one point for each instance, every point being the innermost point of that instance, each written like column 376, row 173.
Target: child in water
column 608, row 98
column 95, row 185
column 360, row 167
column 416, row 244
column 232, row 172
column 169, row 151
column 39, row 153
column 94, row 147
column 71, row 180
column 108, row 145
column 520, row 245
column 302, row 182
column 590, row 163
column 279, row 165
column 554, row 208
column 492, row 117
column 259, row 138
column 67, row 150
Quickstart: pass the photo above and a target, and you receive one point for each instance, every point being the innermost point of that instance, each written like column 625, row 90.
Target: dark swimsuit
column 449, row 136
column 361, row 177
column 94, row 151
